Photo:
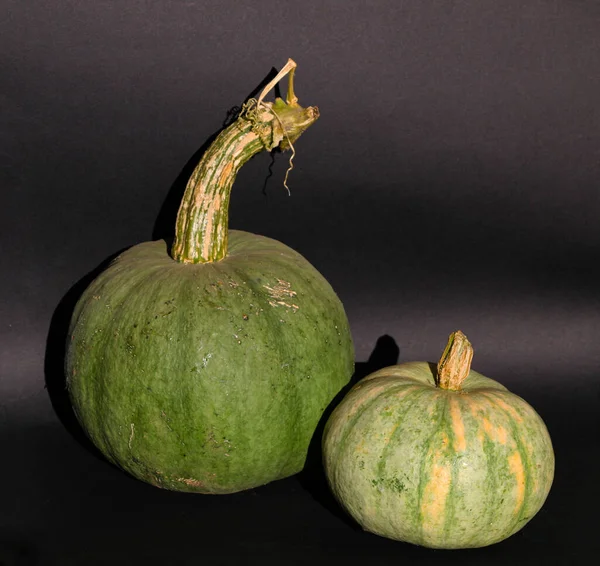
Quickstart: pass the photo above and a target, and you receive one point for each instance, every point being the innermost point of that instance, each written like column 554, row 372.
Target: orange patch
column 487, row 427
column 361, row 449
column 501, row 435
column 497, row 400
column 191, row 482
column 474, row 406
column 433, row 502
column 458, row 427
column 495, row 433
column 515, row 465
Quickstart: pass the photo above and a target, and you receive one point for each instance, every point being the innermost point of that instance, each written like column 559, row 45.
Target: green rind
column 383, row 442
column 211, row 377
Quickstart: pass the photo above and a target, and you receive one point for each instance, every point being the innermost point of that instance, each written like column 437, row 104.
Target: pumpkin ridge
column 342, row 430
column 491, row 482
column 449, row 421
column 100, row 340
column 498, row 401
column 524, row 458
column 423, row 477
column 474, row 411
column 356, row 417
column 413, row 396
column 112, row 326
column 493, row 457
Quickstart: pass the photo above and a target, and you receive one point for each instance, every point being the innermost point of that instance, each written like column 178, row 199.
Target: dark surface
column 451, row 182
column 62, row 505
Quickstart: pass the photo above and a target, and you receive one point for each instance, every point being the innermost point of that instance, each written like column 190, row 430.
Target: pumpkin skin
column 207, row 366
column 437, row 468
column 208, row 378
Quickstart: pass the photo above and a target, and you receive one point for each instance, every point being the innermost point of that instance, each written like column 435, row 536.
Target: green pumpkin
column 207, row 367
column 443, row 458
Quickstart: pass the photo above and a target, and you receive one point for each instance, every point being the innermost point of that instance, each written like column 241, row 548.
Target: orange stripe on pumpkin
column 495, row 433
column 458, row 427
column 501, row 435
column 515, row 465
column 497, row 400
column 474, row 406
column 435, row 493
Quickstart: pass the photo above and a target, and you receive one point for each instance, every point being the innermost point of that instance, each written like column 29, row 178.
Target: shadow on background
column 312, row 478
column 54, row 358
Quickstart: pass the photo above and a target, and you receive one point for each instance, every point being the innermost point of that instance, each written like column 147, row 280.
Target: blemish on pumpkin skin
column 131, row 435
column 361, row 449
column 191, row 482
column 282, row 290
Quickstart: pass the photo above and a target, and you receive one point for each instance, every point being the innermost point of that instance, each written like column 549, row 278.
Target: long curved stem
column 203, row 217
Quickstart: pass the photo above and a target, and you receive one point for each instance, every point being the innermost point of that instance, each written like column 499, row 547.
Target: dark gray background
column 450, row 183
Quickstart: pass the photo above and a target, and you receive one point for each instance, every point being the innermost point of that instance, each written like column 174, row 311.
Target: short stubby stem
column 202, row 221
column 455, row 364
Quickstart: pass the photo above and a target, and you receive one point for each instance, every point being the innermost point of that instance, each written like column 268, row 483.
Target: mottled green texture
column 443, row 469
column 207, row 377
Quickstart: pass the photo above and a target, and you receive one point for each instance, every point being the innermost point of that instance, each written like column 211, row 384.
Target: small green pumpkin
column 207, row 367
column 440, row 457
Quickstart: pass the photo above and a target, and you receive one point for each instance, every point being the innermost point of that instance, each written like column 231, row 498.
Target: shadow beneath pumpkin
column 54, row 358
column 17, row 551
column 312, row 478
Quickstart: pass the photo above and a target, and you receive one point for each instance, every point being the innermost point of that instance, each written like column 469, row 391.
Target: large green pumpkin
column 440, row 457
column 207, row 367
